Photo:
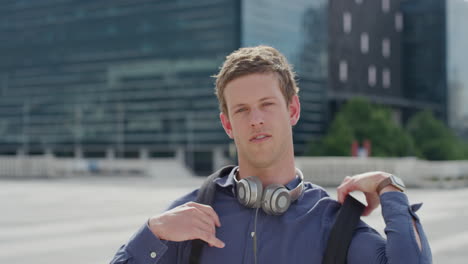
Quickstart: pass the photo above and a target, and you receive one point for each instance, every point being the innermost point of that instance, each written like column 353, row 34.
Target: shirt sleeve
column 400, row 247
column 143, row 247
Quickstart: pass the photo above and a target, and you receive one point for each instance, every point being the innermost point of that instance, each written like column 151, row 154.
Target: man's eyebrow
column 267, row 98
column 261, row 100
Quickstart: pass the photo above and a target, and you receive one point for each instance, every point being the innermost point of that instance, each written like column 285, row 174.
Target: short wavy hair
column 259, row 59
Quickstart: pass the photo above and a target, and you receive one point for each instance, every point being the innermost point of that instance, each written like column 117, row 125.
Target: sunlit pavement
column 85, row 220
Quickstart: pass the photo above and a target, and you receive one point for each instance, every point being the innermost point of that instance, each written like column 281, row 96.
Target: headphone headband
column 296, row 192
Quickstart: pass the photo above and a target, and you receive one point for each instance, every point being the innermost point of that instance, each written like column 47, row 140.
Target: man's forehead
column 253, row 83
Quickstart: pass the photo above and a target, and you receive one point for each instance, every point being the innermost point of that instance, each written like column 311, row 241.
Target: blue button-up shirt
column 298, row 236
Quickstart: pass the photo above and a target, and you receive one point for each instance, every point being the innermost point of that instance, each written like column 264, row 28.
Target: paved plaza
column 85, row 220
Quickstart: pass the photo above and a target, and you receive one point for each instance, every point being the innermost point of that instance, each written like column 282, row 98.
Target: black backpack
column 340, row 235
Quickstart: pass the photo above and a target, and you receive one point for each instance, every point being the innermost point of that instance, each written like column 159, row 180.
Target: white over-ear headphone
column 274, row 199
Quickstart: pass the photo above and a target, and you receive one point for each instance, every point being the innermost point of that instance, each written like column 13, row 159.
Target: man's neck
column 279, row 174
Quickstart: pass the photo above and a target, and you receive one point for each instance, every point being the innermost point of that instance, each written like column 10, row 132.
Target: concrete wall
column 324, row 171
column 330, row 171
column 52, row 167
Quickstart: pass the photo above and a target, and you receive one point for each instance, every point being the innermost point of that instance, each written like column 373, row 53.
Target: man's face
column 259, row 120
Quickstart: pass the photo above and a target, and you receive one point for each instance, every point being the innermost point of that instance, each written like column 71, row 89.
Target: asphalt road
column 85, row 220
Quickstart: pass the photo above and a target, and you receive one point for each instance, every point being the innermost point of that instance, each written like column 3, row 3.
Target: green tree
column 465, row 149
column 433, row 139
column 360, row 120
column 338, row 141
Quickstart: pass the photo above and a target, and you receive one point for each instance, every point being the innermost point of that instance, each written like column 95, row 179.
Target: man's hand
column 366, row 183
column 187, row 222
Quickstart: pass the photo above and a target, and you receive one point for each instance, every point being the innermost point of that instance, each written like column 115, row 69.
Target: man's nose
column 256, row 118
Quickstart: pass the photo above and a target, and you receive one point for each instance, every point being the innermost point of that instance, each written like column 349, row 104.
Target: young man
column 259, row 106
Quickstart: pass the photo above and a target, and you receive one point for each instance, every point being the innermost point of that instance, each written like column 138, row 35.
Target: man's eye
column 267, row 104
column 240, row 110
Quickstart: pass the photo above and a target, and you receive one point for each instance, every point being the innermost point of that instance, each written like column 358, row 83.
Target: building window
column 79, row 13
column 145, row 27
column 111, row 29
column 398, row 22
column 386, row 78
column 112, row 11
column 347, row 20
column 343, row 71
column 386, row 48
column 146, row 48
column 50, row 18
column 385, row 6
column 364, row 43
column 372, row 75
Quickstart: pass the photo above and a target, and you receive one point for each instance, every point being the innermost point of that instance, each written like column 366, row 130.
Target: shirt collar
column 227, row 182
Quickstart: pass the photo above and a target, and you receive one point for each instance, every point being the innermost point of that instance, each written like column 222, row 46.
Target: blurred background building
column 424, row 57
column 120, row 78
column 114, row 78
column 457, row 65
column 365, row 53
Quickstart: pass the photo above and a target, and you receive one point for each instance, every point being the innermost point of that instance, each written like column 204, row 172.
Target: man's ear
column 226, row 124
column 294, row 110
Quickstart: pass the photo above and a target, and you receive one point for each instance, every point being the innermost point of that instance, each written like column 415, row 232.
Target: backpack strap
column 206, row 195
column 342, row 231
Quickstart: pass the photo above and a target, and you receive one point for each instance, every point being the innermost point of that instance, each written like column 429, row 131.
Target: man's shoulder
column 189, row 197
column 317, row 195
column 209, row 180
column 316, row 189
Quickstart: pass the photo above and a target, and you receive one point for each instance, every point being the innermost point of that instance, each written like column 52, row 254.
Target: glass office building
column 132, row 77
column 424, row 55
column 457, row 65
column 299, row 30
column 435, row 58
column 97, row 78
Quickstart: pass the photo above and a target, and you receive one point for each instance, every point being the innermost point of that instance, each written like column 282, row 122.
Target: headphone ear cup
column 276, row 199
column 249, row 192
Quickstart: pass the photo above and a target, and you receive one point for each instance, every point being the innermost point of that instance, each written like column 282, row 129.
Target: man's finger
column 209, row 211
column 210, row 238
column 343, row 191
column 367, row 211
column 206, row 225
column 201, row 217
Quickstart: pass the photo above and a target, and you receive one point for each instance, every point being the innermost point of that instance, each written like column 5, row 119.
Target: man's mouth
column 260, row 137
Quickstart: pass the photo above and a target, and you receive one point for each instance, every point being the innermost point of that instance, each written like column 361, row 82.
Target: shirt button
column 153, row 255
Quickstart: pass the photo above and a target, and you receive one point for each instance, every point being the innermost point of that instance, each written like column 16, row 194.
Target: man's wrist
column 153, row 225
column 390, row 183
column 388, row 188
